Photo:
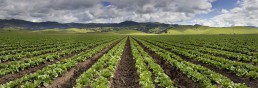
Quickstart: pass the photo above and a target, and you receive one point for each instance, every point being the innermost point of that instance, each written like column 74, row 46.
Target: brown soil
column 223, row 49
column 152, row 75
column 69, row 78
column 20, row 74
column 22, row 59
column 126, row 75
column 180, row 79
column 11, row 77
column 249, row 82
column 224, row 56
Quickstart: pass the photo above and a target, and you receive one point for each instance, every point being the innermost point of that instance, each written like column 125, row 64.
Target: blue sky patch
column 105, row 3
column 217, row 6
column 224, row 4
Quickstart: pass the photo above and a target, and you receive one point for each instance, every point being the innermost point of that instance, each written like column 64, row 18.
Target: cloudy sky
column 205, row 12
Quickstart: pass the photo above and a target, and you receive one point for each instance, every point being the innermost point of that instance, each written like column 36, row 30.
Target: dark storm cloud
column 94, row 11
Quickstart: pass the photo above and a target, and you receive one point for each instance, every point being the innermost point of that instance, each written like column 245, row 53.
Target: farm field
column 95, row 60
column 128, row 44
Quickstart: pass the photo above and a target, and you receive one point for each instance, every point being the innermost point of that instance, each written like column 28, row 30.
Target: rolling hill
column 213, row 30
column 126, row 27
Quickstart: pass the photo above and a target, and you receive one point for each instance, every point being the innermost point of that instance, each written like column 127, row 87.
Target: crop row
column 206, row 77
column 39, row 53
column 17, row 66
column 216, row 52
column 46, row 75
column 238, row 68
column 145, row 63
column 99, row 74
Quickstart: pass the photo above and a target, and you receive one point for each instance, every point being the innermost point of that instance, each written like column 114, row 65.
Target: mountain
column 148, row 27
column 128, row 23
column 30, row 25
column 145, row 27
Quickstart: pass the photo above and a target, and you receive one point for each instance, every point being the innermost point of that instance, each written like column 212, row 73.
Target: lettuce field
column 122, row 61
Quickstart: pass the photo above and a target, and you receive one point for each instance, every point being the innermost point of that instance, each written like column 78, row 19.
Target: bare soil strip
column 249, row 82
column 11, row 77
column 223, row 49
column 8, row 62
column 224, row 56
column 69, row 78
column 152, row 75
column 22, row 59
column 180, row 79
column 126, row 75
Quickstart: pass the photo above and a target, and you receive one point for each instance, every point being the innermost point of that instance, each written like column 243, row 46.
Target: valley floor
column 122, row 61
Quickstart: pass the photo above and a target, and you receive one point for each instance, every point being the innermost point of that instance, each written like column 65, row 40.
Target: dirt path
column 180, row 79
column 11, row 77
column 68, row 79
column 125, row 75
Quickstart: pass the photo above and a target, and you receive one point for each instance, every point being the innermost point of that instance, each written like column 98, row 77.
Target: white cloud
column 85, row 11
column 243, row 15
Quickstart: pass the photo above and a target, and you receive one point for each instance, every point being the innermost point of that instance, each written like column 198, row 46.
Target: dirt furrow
column 22, row 59
column 249, row 82
column 126, row 75
column 13, row 76
column 180, row 79
column 69, row 78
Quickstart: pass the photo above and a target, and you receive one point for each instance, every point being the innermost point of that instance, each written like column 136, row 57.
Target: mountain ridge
column 50, row 24
column 148, row 27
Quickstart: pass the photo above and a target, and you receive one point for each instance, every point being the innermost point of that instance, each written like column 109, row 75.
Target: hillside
column 138, row 28
column 212, row 30
column 130, row 32
column 144, row 27
column 69, row 30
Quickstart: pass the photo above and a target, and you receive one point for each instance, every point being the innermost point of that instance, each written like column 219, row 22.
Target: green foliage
column 97, row 76
column 190, row 30
column 252, row 74
column 197, row 73
column 143, row 64
column 155, row 30
column 45, row 76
